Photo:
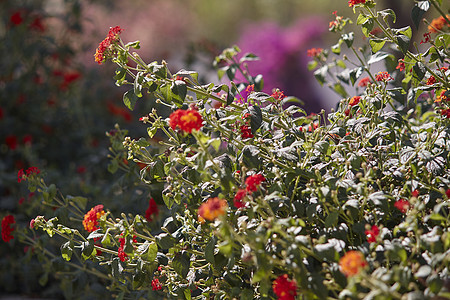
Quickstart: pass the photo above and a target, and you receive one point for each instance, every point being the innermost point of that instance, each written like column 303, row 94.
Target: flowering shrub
column 350, row 205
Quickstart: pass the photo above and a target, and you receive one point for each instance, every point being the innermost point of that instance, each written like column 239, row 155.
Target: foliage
column 266, row 201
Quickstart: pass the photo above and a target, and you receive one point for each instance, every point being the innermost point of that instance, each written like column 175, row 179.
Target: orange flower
column 186, row 120
column 352, row 263
column 90, row 221
column 212, row 209
column 354, row 100
column 438, row 23
column 314, row 52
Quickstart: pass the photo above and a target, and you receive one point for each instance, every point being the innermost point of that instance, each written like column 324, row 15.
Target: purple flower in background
column 282, row 53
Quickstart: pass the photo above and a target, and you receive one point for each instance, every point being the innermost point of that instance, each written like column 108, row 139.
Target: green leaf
column 338, row 88
column 348, row 39
column 81, row 202
column 120, row 74
column 179, row 88
column 134, row 45
column 248, row 57
column 320, row 74
column 130, row 99
column 312, row 65
column 67, row 250
column 255, row 117
column 367, row 27
column 376, row 44
column 181, row 264
column 209, row 250
column 259, row 82
column 165, row 240
column 151, row 131
column 336, row 49
column 388, row 12
column 417, row 12
column 419, row 71
column 403, row 42
column 332, row 219
column 87, row 249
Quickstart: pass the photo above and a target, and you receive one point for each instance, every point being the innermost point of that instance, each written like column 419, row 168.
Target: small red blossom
column 122, row 255
column 383, row 76
column 402, row 205
column 11, row 141
column 90, row 221
column 69, row 77
column 376, row 31
column 22, row 176
column 372, row 234
column 364, row 82
column 156, row 285
column 401, row 65
column 119, row 111
column 238, row 198
column 285, row 288
column 427, row 37
column 246, row 132
column 352, row 263
column 16, row 18
column 446, row 113
column 103, row 49
column 152, row 210
column 7, row 229
column 252, row 182
column 278, row 95
column 314, row 52
column 351, row 3
column 37, row 24
column 21, row 200
column 431, row 80
column 212, row 209
column 415, row 193
column 354, row 100
column 186, row 120
column 27, row 139
column 447, row 193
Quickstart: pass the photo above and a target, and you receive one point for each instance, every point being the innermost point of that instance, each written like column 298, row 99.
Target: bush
column 265, row 201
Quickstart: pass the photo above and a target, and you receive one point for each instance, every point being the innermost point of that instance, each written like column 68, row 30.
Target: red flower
column 122, row 255
column 314, row 52
column 246, row 132
column 402, row 205
column 212, row 209
column 285, row 288
column 383, row 76
column 427, row 37
column 447, row 192
column 119, row 111
column 37, row 24
column 431, row 80
column 446, row 113
column 11, row 141
column 352, row 263
column 252, row 182
column 27, row 139
column 401, row 65
column 16, row 18
column 22, row 176
column 156, row 285
column 68, row 79
column 103, row 49
column 238, row 198
column 6, row 228
column 351, row 3
column 278, row 95
column 186, row 120
column 354, row 100
column 90, row 221
column 364, row 82
column 415, row 193
column 372, row 234
column 151, row 210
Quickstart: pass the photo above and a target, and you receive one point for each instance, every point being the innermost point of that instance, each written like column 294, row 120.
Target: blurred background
column 56, row 103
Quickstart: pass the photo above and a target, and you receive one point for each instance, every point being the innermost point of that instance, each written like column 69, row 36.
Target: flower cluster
column 438, row 24
column 152, row 210
column 383, row 76
column 364, row 82
column 186, row 120
column 252, row 182
column 212, row 209
column 156, row 285
column 351, row 3
column 278, row 95
column 23, row 175
column 122, row 255
column 90, row 221
column 314, row 52
column 6, row 227
column 104, row 47
column 352, row 263
column 402, row 205
column 354, row 100
column 372, row 234
column 285, row 288
column 246, row 132
column 243, row 95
